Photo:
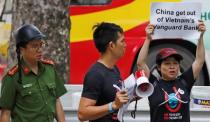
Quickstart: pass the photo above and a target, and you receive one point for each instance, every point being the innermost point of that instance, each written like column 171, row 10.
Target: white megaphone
column 143, row 87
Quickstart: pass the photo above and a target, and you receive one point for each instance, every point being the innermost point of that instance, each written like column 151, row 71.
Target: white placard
column 175, row 20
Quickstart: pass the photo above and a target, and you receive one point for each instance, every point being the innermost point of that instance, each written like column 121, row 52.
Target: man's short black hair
column 104, row 33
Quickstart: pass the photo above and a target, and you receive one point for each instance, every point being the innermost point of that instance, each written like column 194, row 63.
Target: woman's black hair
column 21, row 44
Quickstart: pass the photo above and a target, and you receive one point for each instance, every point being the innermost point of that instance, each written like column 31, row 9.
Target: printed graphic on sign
column 175, row 20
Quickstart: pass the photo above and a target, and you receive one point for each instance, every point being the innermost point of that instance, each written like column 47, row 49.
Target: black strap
column 133, row 113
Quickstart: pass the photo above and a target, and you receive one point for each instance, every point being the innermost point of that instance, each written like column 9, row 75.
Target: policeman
column 31, row 89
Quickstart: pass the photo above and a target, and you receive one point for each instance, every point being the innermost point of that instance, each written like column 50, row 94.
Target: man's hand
column 120, row 99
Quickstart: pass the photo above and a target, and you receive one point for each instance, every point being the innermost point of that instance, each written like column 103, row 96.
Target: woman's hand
column 201, row 27
column 149, row 31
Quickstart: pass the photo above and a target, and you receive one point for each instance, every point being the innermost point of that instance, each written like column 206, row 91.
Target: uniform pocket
column 30, row 95
column 51, row 87
column 26, row 92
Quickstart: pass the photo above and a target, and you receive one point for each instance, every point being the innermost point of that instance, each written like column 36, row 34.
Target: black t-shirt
column 98, row 85
column 170, row 99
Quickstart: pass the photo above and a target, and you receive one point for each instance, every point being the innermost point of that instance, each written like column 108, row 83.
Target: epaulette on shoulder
column 46, row 61
column 13, row 70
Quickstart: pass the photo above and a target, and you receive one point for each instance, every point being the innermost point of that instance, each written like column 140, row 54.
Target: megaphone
column 143, row 87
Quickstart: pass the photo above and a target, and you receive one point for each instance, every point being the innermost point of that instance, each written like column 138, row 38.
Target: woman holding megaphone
column 170, row 99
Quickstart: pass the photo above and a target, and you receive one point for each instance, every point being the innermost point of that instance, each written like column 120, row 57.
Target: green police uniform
column 34, row 99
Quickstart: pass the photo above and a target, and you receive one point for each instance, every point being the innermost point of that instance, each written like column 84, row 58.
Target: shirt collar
column 27, row 69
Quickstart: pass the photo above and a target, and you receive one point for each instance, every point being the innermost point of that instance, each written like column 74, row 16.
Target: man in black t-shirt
column 100, row 100
column 170, row 99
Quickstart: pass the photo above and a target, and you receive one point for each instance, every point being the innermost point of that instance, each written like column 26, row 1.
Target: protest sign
column 175, row 20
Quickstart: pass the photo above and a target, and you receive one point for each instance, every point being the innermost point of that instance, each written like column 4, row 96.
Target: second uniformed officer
column 30, row 91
